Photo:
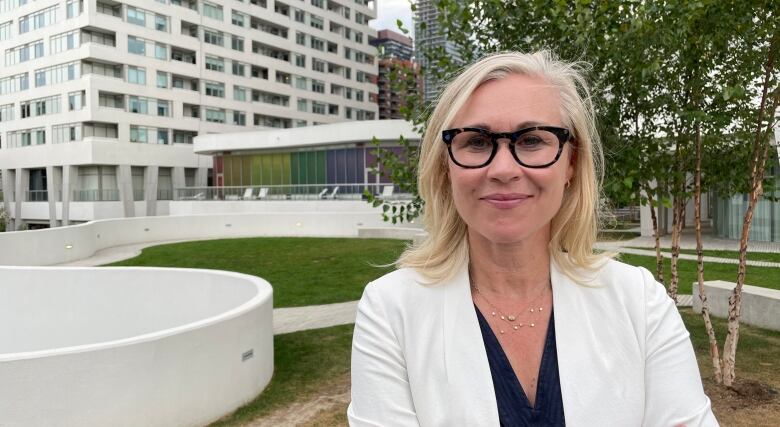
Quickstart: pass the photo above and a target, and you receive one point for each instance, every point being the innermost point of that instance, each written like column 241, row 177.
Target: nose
column 504, row 167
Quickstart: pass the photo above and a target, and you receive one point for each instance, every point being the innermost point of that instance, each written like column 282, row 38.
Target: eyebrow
column 522, row 125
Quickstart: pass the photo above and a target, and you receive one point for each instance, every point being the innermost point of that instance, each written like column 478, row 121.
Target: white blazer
column 624, row 355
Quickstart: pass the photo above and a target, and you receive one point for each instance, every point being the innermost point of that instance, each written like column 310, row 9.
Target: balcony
column 110, row 195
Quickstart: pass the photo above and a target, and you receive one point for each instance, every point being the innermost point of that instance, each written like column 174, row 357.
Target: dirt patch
column 748, row 403
column 327, row 409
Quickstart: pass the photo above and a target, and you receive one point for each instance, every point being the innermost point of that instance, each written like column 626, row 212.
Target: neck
column 515, row 270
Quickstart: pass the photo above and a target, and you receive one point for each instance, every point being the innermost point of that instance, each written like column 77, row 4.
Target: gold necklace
column 511, row 318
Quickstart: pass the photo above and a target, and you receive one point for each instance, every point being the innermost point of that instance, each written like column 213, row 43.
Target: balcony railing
column 164, row 194
column 111, row 195
column 36, row 196
column 293, row 192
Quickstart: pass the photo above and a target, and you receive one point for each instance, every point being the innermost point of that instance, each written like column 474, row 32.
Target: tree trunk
column 659, row 259
column 757, row 167
column 677, row 219
column 705, row 310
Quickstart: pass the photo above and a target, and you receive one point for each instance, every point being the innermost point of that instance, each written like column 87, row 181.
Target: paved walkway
column 293, row 319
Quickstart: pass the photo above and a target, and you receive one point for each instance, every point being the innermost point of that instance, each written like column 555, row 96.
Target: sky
column 390, row 10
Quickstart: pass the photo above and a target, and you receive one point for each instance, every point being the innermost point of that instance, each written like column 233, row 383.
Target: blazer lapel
column 472, row 398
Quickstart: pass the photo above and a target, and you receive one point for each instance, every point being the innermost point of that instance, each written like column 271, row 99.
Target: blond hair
column 574, row 227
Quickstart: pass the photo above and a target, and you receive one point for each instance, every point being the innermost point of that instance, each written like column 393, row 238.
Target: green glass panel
column 311, row 167
column 227, row 165
column 286, row 168
column 246, row 170
column 322, row 176
column 295, row 170
column 236, row 174
column 267, row 169
column 256, row 168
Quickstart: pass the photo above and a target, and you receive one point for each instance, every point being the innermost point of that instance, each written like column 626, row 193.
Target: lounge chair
column 247, row 194
column 387, row 191
column 262, row 193
column 332, row 195
column 199, row 196
column 322, row 194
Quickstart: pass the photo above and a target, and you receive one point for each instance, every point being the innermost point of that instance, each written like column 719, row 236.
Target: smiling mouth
column 505, row 197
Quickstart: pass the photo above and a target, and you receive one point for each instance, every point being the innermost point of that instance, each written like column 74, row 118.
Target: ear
column 572, row 160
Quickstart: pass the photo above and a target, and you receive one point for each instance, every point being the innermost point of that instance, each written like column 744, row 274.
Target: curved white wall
column 66, row 244
column 130, row 346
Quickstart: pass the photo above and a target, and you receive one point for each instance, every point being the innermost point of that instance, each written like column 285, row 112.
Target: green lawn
column 303, row 271
column 757, row 276
column 753, row 256
column 306, row 364
column 610, row 236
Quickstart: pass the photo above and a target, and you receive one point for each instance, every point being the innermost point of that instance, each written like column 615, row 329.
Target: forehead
column 511, row 102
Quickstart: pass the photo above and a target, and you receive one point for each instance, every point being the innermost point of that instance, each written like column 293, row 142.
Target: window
column 318, row 3
column 136, row 16
column 316, row 43
column 138, row 105
column 160, row 51
column 136, row 75
column 90, row 36
column 212, row 10
column 239, row 118
column 300, row 60
column 358, row 37
column 161, row 23
column 6, row 112
column 57, row 74
column 73, row 8
column 300, row 123
column 110, row 70
column 111, row 100
column 215, row 64
column 239, row 69
column 136, row 46
column 138, row 134
column 359, row 95
column 5, row 30
column 300, row 82
column 303, row 105
column 238, row 19
column 15, row 83
column 237, row 43
column 317, row 108
column 39, row 19
column 63, row 41
column 162, row 136
column 215, row 89
column 300, row 38
column 68, row 132
column 163, row 108
column 333, row 109
column 213, row 37
column 317, row 65
column 317, row 86
column 215, row 115
column 239, row 93
column 162, row 80
column 102, row 130
column 300, row 16
column 76, row 100
column 40, row 106
column 316, row 22
column 24, row 52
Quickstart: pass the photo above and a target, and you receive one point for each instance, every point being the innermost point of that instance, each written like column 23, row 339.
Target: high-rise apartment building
column 100, row 99
column 399, row 75
column 430, row 37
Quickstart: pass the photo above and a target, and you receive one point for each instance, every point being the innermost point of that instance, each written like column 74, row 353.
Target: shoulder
column 399, row 287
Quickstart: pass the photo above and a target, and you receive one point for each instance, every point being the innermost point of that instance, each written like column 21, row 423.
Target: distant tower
column 395, row 52
column 430, row 38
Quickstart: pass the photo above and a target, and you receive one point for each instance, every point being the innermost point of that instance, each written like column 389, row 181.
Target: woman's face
column 505, row 202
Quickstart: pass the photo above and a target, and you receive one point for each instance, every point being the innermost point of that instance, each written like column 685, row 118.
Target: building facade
column 100, row 100
column 429, row 38
column 399, row 74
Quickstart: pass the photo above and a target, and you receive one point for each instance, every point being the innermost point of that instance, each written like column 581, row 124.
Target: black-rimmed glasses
column 533, row 147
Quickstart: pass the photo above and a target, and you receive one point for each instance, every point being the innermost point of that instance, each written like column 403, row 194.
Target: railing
column 292, row 192
column 36, row 196
column 164, row 194
column 96, row 195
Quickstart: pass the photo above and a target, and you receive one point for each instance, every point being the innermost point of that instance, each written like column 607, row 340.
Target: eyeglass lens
column 535, row 148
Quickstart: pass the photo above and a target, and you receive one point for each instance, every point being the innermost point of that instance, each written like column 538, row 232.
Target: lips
column 505, row 200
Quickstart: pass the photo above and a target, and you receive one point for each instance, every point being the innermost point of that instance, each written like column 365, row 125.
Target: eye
column 476, row 141
column 535, row 140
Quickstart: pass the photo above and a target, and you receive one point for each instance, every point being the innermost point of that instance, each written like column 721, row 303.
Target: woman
column 504, row 315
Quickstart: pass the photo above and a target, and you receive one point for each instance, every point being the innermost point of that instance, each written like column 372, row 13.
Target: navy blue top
column 514, row 409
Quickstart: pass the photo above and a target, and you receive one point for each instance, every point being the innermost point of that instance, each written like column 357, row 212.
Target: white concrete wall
column 65, row 244
column 760, row 306
column 137, row 347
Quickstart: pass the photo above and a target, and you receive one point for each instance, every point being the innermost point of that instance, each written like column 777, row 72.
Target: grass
column 313, row 364
column 610, row 235
column 303, row 271
column 753, row 256
column 307, row 365
column 766, row 277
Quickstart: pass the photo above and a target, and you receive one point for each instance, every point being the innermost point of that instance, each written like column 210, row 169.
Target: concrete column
column 70, row 176
column 178, row 180
column 22, row 186
column 53, row 187
column 151, row 177
column 9, row 181
column 202, row 177
column 124, row 178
